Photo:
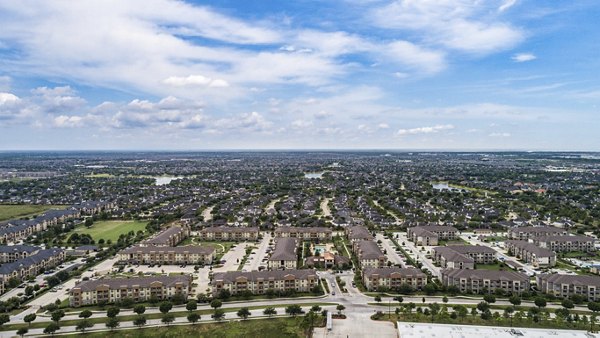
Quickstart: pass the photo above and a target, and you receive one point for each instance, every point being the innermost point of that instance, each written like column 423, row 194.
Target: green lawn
column 497, row 266
column 276, row 327
column 8, row 212
column 109, row 229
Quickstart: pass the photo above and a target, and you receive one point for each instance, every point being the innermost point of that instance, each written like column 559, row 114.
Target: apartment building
column 448, row 258
column 525, row 233
column 479, row 281
column 226, row 233
column 566, row 243
column 309, row 233
column 569, row 285
column 430, row 235
column 110, row 290
column 369, row 254
column 168, row 237
column 191, row 254
column 33, row 264
column 258, row 282
column 531, row 253
column 393, row 278
column 358, row 233
column 284, row 254
column 9, row 254
column 463, row 256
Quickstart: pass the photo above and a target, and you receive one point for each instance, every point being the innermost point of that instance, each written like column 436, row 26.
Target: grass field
column 110, row 229
column 267, row 328
column 8, row 212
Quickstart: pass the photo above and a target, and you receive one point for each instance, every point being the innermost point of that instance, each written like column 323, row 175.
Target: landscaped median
column 176, row 312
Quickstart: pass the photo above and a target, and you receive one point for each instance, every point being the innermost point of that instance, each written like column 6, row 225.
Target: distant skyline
column 265, row 74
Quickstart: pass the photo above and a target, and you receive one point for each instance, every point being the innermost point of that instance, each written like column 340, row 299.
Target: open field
column 8, row 212
column 276, row 327
column 110, row 229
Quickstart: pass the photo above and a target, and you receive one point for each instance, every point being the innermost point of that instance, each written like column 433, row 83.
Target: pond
column 441, row 186
column 164, row 180
column 314, row 175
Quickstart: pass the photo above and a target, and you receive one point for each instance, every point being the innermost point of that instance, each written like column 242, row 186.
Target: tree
column 293, row 310
column 434, row 309
column 243, row 313
column 483, row 306
column 112, row 323
column 140, row 321
column 112, row 312
column 461, row 311
column 4, row 318
column 139, row 309
column 340, row 308
column 270, row 311
column 193, row 317
column 218, row 314
column 515, row 300
column 378, row 299
column 315, row 308
column 29, row 318
column 83, row 324
column 567, row 303
column 165, row 307
column 445, row 300
column 168, row 318
column 22, row 331
column 51, row 328
column 57, row 315
column 489, row 298
column 192, row 305
column 85, row 314
column 594, row 307
column 215, row 304
column 540, row 302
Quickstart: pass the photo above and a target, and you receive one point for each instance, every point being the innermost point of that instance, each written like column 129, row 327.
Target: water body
column 164, row 180
column 441, row 186
column 314, row 175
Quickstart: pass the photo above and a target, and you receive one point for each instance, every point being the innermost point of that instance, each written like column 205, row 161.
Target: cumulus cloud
column 523, row 57
column 64, row 121
column 424, row 130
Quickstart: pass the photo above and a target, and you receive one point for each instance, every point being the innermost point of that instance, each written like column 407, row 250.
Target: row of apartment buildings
column 227, row 233
column 36, row 261
column 308, row 233
column 258, row 282
column 430, row 235
column 393, row 278
column 463, row 256
column 481, row 281
column 530, row 253
column 553, row 239
column 139, row 289
column 16, row 230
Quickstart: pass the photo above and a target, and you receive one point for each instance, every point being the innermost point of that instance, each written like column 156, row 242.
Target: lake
column 441, row 186
column 164, row 180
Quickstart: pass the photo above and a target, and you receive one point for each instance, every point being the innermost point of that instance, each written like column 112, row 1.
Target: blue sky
column 259, row 74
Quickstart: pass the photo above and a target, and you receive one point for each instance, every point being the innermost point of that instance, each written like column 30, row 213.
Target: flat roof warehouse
column 419, row 330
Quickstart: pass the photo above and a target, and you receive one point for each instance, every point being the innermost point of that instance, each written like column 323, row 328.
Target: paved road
column 421, row 255
column 256, row 259
column 390, row 248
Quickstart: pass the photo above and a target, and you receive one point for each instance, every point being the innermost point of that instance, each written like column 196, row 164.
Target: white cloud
column 499, row 135
column 523, row 57
column 195, row 80
column 506, row 5
column 64, row 121
column 383, row 126
column 463, row 25
column 8, row 98
column 413, row 56
column 424, row 130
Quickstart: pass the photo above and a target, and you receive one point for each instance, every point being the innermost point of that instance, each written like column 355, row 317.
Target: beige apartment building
column 258, row 282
